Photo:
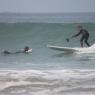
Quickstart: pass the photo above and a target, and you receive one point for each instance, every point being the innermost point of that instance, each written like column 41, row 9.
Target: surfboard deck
column 66, row 49
column 29, row 51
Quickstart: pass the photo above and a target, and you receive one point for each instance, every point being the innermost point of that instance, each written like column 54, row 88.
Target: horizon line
column 42, row 12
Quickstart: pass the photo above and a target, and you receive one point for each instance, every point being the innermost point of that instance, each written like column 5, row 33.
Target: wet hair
column 26, row 48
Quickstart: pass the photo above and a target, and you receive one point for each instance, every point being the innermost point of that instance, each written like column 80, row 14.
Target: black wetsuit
column 20, row 51
column 85, row 36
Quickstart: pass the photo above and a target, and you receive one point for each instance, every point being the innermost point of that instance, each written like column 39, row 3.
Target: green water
column 15, row 36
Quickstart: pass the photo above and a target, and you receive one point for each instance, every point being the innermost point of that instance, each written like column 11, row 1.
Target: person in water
column 85, row 35
column 25, row 50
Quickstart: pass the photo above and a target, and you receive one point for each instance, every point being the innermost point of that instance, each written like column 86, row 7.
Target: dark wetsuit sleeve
column 77, row 34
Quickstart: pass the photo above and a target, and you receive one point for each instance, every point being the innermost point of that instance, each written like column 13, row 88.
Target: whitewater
column 45, row 71
column 57, row 82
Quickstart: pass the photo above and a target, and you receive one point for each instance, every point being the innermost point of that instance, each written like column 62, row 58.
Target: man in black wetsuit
column 20, row 51
column 85, row 35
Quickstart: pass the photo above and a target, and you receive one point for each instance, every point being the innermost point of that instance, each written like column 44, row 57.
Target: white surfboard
column 29, row 51
column 78, row 50
column 66, row 49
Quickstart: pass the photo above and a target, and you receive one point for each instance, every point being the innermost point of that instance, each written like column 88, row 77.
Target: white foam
column 28, row 73
column 41, row 81
column 90, row 49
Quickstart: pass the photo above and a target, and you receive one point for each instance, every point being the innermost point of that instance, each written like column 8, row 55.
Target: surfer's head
column 26, row 48
column 79, row 27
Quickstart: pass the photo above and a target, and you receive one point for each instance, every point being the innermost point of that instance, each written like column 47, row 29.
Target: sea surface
column 46, row 71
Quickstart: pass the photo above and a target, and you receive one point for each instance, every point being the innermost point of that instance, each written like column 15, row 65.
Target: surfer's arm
column 20, row 51
column 76, row 35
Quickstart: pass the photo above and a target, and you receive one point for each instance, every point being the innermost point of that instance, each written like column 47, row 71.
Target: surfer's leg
column 86, row 41
column 7, row 52
column 81, row 41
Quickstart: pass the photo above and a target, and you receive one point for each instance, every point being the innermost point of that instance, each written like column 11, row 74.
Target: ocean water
column 45, row 71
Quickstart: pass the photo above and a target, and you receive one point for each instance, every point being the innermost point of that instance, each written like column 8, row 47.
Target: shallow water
column 39, row 82
column 45, row 71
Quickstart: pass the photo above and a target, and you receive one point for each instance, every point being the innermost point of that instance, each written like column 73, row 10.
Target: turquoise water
column 46, row 71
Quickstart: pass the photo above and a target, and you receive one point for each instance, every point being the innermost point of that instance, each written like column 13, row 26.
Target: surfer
column 25, row 50
column 85, row 35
